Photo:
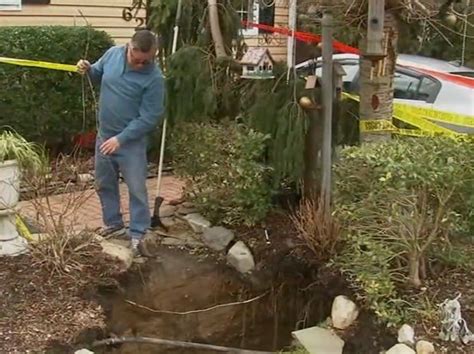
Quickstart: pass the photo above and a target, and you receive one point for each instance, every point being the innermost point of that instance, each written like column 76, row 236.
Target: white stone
column 241, row 258
column 217, row 237
column 406, row 334
column 400, row 349
column 167, row 211
column 344, row 312
column 84, row 177
column 318, row 340
column 83, row 351
column 197, row 222
column 124, row 254
column 425, row 347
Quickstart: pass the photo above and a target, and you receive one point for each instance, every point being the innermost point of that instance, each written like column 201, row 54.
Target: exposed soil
column 38, row 308
column 172, row 297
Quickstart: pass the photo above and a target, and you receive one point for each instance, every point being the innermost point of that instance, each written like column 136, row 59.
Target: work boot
column 112, row 232
column 139, row 248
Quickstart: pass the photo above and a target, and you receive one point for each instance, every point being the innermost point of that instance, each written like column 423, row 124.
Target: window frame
column 255, row 15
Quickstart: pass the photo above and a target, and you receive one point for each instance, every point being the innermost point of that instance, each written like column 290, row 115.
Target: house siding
column 103, row 15
column 276, row 43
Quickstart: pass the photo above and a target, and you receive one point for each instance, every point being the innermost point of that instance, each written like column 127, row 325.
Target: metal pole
column 291, row 39
column 327, row 98
column 165, row 123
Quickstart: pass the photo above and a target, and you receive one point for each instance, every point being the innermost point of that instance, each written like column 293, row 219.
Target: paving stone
column 217, row 237
column 197, row 222
column 317, row 340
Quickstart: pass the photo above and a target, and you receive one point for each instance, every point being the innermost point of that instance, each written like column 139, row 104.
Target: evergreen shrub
column 43, row 105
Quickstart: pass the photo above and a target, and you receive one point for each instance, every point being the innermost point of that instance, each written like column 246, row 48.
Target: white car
column 419, row 81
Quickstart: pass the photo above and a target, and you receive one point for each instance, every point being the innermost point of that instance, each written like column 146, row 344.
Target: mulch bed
column 39, row 308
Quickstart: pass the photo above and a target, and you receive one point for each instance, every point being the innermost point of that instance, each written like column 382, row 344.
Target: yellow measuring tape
column 39, row 64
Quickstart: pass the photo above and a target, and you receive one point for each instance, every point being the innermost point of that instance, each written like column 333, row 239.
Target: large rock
column 197, row 222
column 183, row 210
column 424, row 347
column 317, row 340
column 400, row 349
column 122, row 253
column 406, row 334
column 344, row 312
column 167, row 211
column 241, row 258
column 217, row 237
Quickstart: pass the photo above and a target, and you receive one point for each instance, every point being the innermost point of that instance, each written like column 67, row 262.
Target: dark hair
column 144, row 40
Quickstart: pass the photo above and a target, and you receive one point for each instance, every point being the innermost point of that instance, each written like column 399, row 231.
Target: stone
column 217, row 237
column 83, row 178
column 197, row 222
column 183, row 210
column 167, row 211
column 168, row 221
column 425, row 347
column 181, row 239
column 344, row 312
column 83, row 351
column 241, row 258
column 114, row 250
column 400, row 349
column 406, row 335
column 317, row 340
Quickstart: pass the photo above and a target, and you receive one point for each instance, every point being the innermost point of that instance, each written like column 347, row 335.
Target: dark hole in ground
column 183, row 282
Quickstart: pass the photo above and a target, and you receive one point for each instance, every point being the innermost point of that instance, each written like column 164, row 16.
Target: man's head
column 142, row 49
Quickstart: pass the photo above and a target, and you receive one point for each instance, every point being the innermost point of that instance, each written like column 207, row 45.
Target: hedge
column 44, row 105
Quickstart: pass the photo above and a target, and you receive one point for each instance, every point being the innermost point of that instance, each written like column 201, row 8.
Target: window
column 405, row 86
column 262, row 11
column 418, row 88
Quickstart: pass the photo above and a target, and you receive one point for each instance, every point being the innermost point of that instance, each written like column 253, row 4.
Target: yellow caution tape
column 444, row 117
column 22, row 228
column 421, row 118
column 379, row 125
column 39, row 64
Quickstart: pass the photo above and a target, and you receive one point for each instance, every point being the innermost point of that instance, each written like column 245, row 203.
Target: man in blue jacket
column 130, row 106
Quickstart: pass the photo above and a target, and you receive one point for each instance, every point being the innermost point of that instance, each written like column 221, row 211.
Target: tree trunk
column 217, row 37
column 376, row 83
column 414, row 269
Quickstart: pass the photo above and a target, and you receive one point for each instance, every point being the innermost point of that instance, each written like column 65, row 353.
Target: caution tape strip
column 39, row 64
column 421, row 118
column 23, row 229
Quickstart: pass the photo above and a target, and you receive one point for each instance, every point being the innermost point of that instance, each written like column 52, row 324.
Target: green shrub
column 228, row 181
column 44, row 105
column 396, row 201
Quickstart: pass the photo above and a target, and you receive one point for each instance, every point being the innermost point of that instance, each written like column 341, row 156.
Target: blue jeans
column 131, row 161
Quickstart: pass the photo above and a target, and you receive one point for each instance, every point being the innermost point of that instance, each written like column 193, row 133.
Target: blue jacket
column 131, row 101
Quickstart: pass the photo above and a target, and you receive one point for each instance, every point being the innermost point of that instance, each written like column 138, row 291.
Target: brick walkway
column 88, row 214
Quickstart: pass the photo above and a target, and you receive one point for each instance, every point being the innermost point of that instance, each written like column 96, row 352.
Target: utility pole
column 327, row 98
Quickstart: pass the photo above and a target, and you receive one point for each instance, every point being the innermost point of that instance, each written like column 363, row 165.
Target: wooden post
column 328, row 98
column 375, row 35
column 377, row 67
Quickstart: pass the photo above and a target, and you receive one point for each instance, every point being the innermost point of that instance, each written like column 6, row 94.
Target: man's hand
column 110, row 146
column 83, row 66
